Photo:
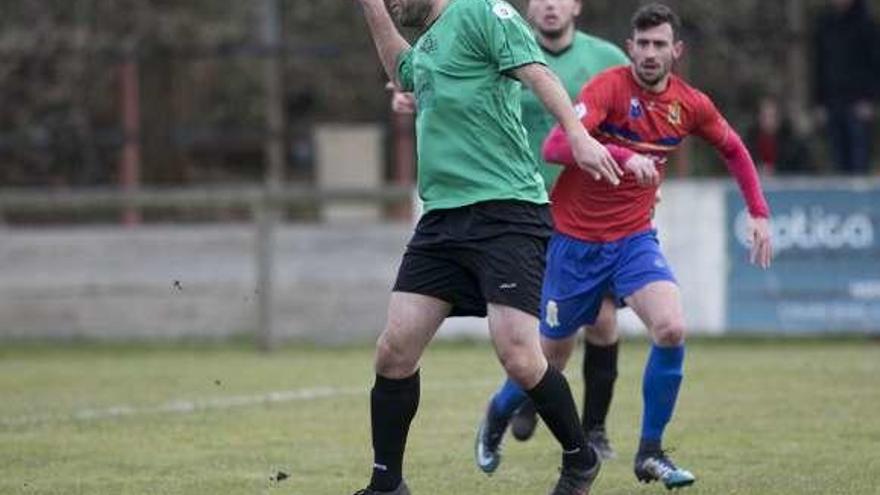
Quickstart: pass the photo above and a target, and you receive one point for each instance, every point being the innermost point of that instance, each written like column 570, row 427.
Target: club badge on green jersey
column 503, row 10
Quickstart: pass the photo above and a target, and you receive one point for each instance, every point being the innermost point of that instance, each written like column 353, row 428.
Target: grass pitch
column 781, row 417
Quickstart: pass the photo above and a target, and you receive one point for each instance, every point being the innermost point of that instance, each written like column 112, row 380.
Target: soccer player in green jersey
column 575, row 57
column 478, row 250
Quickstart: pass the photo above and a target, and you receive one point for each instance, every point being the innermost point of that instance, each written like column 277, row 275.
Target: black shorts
column 488, row 252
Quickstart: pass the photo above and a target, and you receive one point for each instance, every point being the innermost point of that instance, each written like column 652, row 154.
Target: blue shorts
column 580, row 274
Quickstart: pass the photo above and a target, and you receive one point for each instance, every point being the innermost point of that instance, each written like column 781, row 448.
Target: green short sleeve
column 405, row 70
column 511, row 42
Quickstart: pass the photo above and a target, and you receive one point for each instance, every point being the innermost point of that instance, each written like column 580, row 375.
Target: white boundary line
column 189, row 406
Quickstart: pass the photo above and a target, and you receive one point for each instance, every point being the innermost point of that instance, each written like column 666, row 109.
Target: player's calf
column 524, row 422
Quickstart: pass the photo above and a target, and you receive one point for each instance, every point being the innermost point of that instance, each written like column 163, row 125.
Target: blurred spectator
column 775, row 146
column 846, row 74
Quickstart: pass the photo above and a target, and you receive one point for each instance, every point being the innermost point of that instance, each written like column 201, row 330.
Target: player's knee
column 558, row 352
column 602, row 334
column 520, row 367
column 393, row 359
column 669, row 332
column 513, row 362
column 557, row 360
column 606, row 323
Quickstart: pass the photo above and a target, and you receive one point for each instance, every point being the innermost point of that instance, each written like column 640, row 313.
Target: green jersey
column 472, row 145
column 575, row 65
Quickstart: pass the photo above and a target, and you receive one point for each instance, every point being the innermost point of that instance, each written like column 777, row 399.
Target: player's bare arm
column 404, row 103
column 389, row 43
column 401, row 101
column 589, row 154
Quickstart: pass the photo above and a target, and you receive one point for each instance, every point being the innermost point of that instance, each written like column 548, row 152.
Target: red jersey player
column 604, row 244
column 633, row 118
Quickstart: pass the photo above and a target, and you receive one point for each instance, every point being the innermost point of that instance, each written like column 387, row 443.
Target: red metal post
column 403, row 137
column 130, row 162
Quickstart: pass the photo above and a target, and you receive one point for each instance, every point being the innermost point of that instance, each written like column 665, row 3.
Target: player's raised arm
column 718, row 132
column 389, row 43
column 589, row 154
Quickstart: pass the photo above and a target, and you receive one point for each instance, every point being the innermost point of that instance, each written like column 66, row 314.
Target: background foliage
column 201, row 77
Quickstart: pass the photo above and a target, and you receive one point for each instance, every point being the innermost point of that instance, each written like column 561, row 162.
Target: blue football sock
column 507, row 400
column 660, row 385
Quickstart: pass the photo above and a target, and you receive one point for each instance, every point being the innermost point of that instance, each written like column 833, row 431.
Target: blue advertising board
column 825, row 276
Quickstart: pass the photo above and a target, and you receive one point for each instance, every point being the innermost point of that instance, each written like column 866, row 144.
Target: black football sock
column 555, row 405
column 393, row 404
column 600, row 373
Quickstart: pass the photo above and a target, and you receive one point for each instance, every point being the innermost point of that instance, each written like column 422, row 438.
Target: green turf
column 754, row 418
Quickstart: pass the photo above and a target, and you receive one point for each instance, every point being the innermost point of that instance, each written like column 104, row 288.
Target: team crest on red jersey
column 674, row 116
column 635, row 108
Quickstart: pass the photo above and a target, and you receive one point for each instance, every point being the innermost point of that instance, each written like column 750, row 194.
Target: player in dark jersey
column 604, row 240
column 479, row 248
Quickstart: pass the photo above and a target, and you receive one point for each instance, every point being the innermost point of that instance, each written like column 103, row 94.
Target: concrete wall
column 163, row 282
column 332, row 280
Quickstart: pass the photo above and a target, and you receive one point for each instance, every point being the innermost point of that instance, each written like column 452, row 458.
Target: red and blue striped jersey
column 617, row 110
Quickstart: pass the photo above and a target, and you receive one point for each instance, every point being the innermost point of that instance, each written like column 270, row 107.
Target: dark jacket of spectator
column 846, row 56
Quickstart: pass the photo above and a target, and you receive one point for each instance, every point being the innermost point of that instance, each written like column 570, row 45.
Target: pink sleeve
column 620, row 154
column 557, row 150
column 741, row 166
column 715, row 129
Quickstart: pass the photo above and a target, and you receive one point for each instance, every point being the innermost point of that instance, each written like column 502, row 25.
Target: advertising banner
column 825, row 277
